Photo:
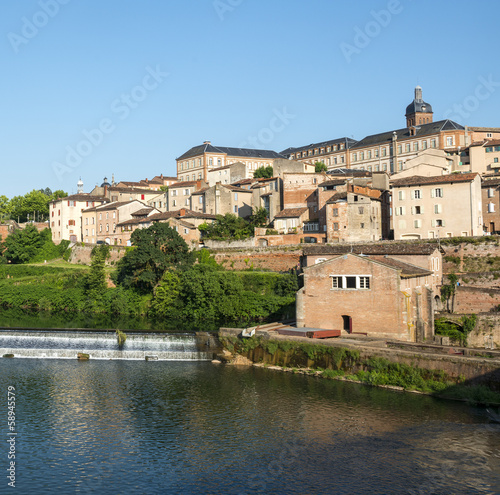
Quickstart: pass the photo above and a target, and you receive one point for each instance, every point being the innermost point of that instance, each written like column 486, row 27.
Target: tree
column 320, row 167
column 228, row 226
column 259, row 217
column 263, row 172
column 448, row 292
column 155, row 250
column 95, row 280
column 5, row 209
column 22, row 245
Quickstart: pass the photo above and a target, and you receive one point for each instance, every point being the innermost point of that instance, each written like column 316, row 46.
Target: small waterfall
column 104, row 345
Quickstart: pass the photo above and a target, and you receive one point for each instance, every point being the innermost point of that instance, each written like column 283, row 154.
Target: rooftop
column 418, row 180
column 390, row 248
column 241, row 152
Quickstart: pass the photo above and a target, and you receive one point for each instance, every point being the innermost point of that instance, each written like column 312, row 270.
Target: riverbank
column 373, row 362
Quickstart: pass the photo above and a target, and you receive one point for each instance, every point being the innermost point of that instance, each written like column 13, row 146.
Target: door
column 347, row 323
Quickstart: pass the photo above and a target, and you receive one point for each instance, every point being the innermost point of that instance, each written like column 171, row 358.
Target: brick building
column 373, row 295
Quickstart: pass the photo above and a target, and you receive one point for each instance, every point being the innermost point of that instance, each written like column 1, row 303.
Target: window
column 236, row 208
column 219, row 162
column 491, row 192
column 418, row 210
column 368, row 154
column 174, row 203
column 439, row 223
column 424, row 145
column 186, row 192
column 433, row 143
column 437, row 209
column 236, row 196
column 200, row 200
column 354, row 157
column 401, row 195
column 174, row 192
column 400, row 165
column 361, row 210
column 335, row 226
column 384, row 151
column 400, row 210
column 417, row 194
column 437, row 193
column 71, row 203
column 335, row 212
column 211, row 161
column 415, row 146
column 495, row 160
column 362, row 155
column 417, row 224
column 71, row 222
column 186, row 202
column 362, row 226
column 407, row 147
column 491, row 207
column 449, row 140
column 400, row 149
column 361, row 282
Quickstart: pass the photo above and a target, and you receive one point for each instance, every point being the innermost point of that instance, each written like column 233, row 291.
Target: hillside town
column 337, row 200
column 427, row 180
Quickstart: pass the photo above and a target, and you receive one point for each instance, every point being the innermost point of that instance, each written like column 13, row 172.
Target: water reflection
column 159, row 427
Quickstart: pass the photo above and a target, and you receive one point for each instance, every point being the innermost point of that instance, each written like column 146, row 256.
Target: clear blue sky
column 329, row 68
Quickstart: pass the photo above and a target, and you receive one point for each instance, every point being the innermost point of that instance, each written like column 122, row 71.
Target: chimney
column 207, row 142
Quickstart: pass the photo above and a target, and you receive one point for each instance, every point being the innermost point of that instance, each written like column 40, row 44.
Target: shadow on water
column 20, row 318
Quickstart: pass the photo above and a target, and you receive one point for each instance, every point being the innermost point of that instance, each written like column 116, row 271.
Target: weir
column 104, row 345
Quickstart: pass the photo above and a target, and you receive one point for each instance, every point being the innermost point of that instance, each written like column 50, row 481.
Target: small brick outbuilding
column 372, row 295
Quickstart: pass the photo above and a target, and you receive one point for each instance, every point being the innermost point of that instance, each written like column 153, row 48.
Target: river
column 192, row 427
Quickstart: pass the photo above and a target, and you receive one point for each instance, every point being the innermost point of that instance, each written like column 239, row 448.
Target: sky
column 92, row 88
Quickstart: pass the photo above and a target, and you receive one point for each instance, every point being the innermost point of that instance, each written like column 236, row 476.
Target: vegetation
column 229, row 226
column 155, row 250
column 263, row 172
column 448, row 292
column 31, row 246
column 320, row 167
column 32, row 206
column 457, row 331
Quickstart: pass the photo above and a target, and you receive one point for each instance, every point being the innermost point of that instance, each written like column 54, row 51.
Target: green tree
column 228, row 226
column 95, row 280
column 155, row 250
column 5, row 209
column 320, row 167
column 263, row 172
column 32, row 206
column 259, row 217
column 448, row 292
column 165, row 302
column 23, row 245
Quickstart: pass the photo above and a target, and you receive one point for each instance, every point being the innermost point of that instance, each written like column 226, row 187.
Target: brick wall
column 81, row 254
column 275, row 261
column 476, row 299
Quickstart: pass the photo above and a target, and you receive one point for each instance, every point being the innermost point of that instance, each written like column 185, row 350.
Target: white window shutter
column 397, row 212
column 443, row 222
column 413, row 194
column 433, row 193
column 403, row 210
column 413, row 210
column 421, row 210
column 433, row 223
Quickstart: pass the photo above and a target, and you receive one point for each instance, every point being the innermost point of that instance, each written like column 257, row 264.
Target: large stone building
column 390, row 151
column 441, row 206
column 199, row 160
column 65, row 215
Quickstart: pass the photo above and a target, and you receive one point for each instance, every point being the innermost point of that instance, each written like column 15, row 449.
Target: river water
column 192, row 427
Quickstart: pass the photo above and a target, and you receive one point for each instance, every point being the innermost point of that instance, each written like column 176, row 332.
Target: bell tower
column 418, row 112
